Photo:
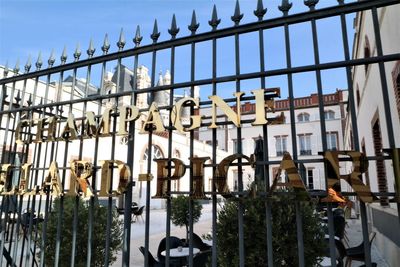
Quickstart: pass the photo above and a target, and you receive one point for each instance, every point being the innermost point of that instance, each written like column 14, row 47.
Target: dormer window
column 303, row 117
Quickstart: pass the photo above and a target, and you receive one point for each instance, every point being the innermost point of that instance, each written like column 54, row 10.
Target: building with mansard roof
column 35, row 92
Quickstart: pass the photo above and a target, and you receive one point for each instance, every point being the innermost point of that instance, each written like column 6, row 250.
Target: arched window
column 367, row 52
column 329, row 115
column 303, row 117
column 358, row 96
column 156, row 153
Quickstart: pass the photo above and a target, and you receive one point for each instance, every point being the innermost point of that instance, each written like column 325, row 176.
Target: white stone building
column 373, row 118
column 308, row 135
column 159, row 147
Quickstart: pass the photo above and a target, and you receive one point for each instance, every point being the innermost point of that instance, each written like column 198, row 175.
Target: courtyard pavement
column 158, row 230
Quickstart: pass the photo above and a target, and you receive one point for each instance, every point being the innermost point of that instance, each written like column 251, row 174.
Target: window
column 310, row 178
column 380, row 164
column 305, row 144
column 367, row 52
column 156, row 153
column 280, row 145
column 235, row 145
column 396, row 85
column 332, row 140
column 211, row 143
column 358, row 96
column 329, row 115
column 303, row 117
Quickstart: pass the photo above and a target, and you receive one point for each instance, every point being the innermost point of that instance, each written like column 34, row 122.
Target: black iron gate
column 61, row 134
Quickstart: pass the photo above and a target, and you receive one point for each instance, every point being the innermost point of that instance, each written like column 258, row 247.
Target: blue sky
column 30, row 27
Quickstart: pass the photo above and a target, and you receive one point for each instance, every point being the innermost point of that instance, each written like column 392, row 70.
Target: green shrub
column 180, row 211
column 81, row 249
column 284, row 232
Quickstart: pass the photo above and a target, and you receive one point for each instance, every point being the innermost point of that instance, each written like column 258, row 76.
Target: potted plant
column 284, row 235
column 180, row 211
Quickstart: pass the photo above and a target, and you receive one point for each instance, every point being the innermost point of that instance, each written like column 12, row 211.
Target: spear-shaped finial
column 91, row 49
column 29, row 101
column 193, row 25
column 121, row 42
column 106, row 45
column 138, row 38
column 260, row 11
column 28, row 64
column 16, row 68
column 237, row 16
column 341, row 2
column 51, row 59
column 311, row 3
column 78, row 52
column 155, row 35
column 39, row 61
column 285, row 7
column 6, row 69
column 64, row 55
column 18, row 97
column 214, row 19
column 174, row 29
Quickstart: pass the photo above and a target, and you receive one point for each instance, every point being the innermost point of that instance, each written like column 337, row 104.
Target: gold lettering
column 295, row 181
column 5, row 178
column 154, row 121
column 105, row 123
column 176, row 115
column 51, row 128
column 198, row 177
column 81, row 171
column 221, row 173
column 24, row 181
column 232, row 116
column 20, row 130
column 162, row 175
column 127, row 114
column 107, row 167
column 70, row 131
column 89, row 125
column 52, row 181
column 354, row 178
column 260, row 107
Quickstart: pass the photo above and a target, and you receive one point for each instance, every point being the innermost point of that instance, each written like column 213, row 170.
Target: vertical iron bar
column 130, row 161
column 90, row 215
column 109, row 208
column 240, row 167
column 214, row 160
column 92, row 201
column 191, row 141
column 43, row 237
column 75, row 220
column 293, row 132
column 170, row 132
column 149, row 158
column 268, row 214
column 332, row 246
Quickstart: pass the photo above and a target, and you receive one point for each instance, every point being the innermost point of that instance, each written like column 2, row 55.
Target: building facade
column 378, row 119
column 280, row 139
